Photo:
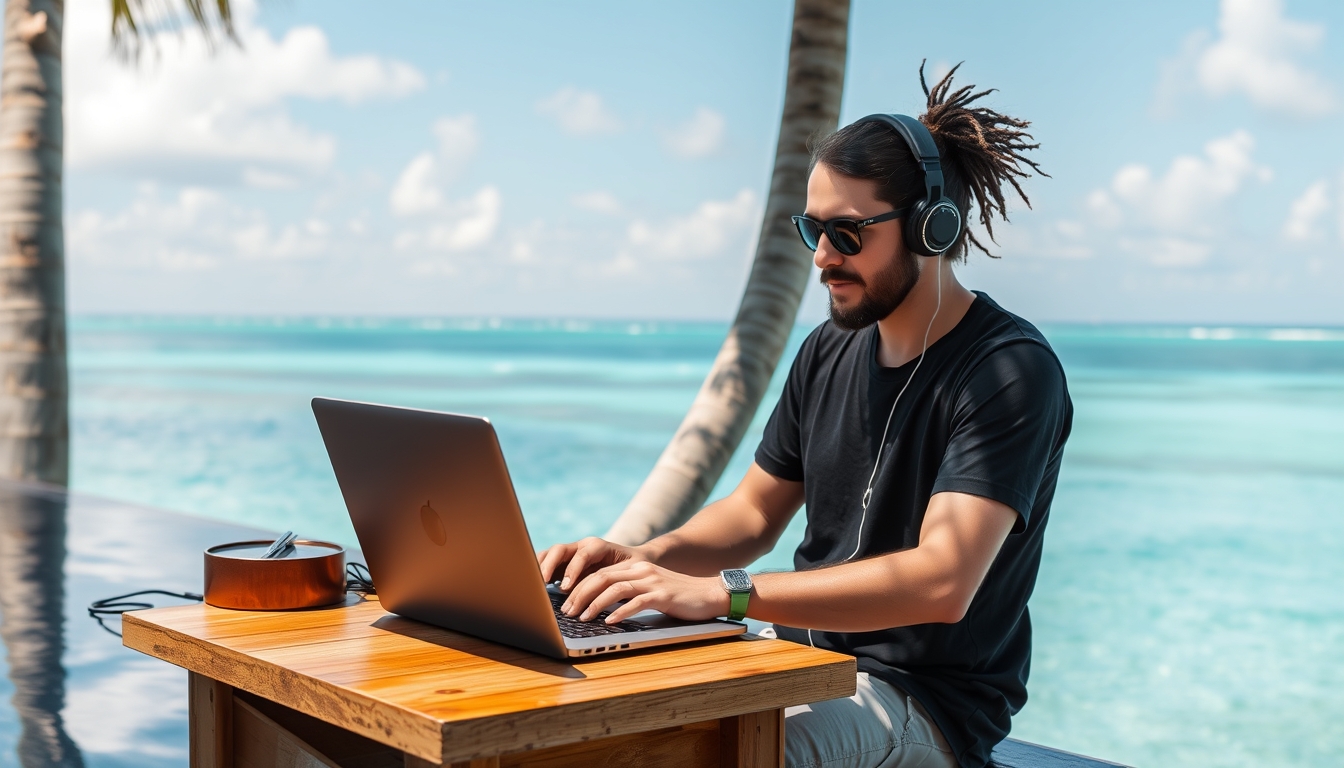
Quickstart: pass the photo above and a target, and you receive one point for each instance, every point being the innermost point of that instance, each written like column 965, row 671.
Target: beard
column 889, row 288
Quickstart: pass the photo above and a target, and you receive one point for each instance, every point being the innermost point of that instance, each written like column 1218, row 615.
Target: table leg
column 754, row 740
column 210, row 722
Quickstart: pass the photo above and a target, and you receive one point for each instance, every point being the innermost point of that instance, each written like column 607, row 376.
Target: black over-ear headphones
column 933, row 224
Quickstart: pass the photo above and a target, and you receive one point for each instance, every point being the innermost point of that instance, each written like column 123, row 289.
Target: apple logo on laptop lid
column 433, row 525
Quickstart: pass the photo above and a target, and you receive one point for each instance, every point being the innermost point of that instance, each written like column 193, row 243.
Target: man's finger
column 541, row 562
column 616, row 592
column 551, row 558
column 596, row 582
column 583, row 593
column 635, row 605
column 578, row 563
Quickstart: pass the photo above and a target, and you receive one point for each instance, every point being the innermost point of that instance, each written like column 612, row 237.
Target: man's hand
column 647, row 586
column 582, row 557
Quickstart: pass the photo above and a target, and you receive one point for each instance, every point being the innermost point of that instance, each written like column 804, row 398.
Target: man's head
column 866, row 169
column 869, row 285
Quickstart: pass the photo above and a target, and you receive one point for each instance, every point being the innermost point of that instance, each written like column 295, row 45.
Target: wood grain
column 753, row 740
column 690, row 746
column 258, row 742
column 348, row 749
column 209, row 722
column 446, row 697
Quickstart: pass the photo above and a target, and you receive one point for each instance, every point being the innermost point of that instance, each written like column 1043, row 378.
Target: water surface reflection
column 32, row 619
column 71, row 694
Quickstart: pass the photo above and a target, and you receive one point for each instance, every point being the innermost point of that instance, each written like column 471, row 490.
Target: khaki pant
column 880, row 726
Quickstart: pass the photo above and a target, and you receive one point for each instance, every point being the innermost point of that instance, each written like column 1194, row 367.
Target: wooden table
column 357, row 687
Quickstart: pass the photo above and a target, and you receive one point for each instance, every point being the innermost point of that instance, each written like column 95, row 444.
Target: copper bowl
column 311, row 575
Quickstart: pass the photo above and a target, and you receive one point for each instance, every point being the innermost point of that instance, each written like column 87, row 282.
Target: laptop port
column 623, row 647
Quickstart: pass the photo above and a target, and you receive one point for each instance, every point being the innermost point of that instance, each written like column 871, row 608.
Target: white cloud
column 458, row 139
column 1193, row 189
column 416, row 190
column 459, row 226
column 580, row 113
column 197, row 229
column 444, row 224
column 291, row 241
column 714, row 229
column 1303, row 224
column 263, row 179
column 597, row 202
column 1174, row 219
column 185, row 111
column 419, row 188
column 700, row 136
column 1256, row 53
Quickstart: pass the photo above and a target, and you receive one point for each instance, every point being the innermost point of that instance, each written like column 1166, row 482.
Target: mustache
column 841, row 275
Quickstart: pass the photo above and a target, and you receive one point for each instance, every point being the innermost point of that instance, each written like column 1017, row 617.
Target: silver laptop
column 439, row 523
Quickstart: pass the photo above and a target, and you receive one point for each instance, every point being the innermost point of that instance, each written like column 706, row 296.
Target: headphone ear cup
column 941, row 226
column 931, row 230
column 914, row 227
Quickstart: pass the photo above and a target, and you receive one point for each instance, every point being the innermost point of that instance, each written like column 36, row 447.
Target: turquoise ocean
column 1190, row 608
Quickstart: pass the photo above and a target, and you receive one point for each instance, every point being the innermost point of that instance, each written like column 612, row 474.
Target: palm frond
column 137, row 22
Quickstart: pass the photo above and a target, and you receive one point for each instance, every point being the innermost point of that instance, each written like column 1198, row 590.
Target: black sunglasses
column 844, row 233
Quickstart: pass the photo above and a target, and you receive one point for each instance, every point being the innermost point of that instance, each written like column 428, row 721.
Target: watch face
column 737, row 581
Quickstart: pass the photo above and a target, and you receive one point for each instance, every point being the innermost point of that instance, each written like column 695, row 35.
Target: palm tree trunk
column 695, row 458
column 34, row 431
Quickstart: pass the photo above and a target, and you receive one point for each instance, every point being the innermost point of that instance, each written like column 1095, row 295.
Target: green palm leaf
column 134, row 21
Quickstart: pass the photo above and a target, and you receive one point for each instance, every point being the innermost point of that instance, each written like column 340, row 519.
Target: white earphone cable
column 882, row 444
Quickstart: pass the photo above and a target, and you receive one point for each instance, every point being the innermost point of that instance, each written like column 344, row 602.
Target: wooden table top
column 444, row 696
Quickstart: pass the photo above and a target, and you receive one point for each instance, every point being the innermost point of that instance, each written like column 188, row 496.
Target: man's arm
column 733, row 531
column 933, row 582
column 730, row 533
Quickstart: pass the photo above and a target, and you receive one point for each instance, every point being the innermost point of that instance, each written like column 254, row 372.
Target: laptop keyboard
column 572, row 627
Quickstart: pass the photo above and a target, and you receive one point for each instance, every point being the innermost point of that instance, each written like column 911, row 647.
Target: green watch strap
column 737, row 583
column 737, row 605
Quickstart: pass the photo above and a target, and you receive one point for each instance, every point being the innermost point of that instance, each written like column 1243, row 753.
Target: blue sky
column 611, row 159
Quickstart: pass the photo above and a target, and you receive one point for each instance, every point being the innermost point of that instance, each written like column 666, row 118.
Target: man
column 923, row 426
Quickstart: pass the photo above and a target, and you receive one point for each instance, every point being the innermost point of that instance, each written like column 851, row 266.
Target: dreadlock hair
column 981, row 150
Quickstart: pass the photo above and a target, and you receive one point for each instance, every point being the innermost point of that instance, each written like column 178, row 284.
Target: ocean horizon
column 1187, row 612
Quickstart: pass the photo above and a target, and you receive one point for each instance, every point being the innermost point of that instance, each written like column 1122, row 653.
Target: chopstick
column 279, row 545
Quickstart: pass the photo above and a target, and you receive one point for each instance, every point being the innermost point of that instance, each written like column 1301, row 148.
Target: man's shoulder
column 1002, row 333
column 1000, row 325
column 827, row 341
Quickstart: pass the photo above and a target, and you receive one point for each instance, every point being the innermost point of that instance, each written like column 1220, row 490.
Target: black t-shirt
column 987, row 413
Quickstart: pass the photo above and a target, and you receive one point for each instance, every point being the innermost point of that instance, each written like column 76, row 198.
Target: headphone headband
column 935, row 223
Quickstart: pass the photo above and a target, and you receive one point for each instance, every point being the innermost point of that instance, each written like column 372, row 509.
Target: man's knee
column 879, row 726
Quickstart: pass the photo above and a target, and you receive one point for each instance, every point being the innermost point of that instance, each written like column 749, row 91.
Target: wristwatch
column 738, row 584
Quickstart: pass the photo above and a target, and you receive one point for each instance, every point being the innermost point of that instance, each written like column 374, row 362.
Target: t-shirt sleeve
column 1008, row 419
column 781, row 450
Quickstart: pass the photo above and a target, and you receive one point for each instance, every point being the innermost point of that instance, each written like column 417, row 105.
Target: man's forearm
column 894, row 590
column 931, row 583
column 729, row 533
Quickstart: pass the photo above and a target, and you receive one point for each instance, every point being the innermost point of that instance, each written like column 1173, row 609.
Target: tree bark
column 34, row 428
column 691, row 464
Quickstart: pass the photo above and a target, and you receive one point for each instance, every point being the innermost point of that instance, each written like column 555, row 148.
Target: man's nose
column 826, row 256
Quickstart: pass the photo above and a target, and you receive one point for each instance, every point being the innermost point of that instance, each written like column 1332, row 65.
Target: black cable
column 115, row 606
column 357, row 579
